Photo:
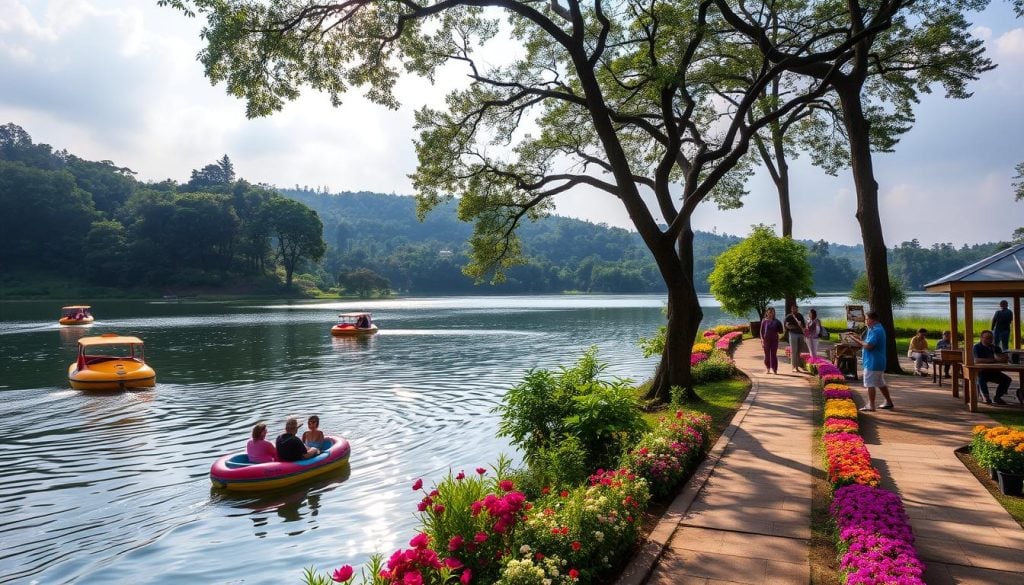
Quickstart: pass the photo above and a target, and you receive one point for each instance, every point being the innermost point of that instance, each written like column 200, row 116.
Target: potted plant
column 1002, row 448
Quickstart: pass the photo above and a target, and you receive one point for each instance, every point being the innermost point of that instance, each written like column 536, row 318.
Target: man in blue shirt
column 874, row 361
column 987, row 352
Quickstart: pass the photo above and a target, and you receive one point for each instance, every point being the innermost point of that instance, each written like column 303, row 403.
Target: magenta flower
column 480, row 538
column 417, row 485
column 421, row 540
column 466, row 577
column 506, row 485
column 342, row 574
column 461, row 476
column 452, row 563
column 481, row 470
column 455, row 543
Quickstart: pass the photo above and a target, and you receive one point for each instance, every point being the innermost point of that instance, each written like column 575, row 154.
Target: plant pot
column 993, row 473
column 1011, row 484
column 755, row 329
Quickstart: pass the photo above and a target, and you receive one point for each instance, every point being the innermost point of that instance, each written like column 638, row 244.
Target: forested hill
column 382, row 233
column 74, row 227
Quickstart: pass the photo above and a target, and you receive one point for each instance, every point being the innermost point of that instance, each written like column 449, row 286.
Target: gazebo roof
column 1001, row 273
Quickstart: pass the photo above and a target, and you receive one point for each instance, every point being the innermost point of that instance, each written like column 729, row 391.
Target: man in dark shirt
column 1001, row 323
column 290, row 447
column 986, row 352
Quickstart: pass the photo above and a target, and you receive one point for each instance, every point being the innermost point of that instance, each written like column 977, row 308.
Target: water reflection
column 292, row 504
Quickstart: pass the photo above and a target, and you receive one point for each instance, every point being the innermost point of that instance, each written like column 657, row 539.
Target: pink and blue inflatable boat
column 236, row 472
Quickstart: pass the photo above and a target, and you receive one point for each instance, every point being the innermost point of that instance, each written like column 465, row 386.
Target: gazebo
column 1001, row 275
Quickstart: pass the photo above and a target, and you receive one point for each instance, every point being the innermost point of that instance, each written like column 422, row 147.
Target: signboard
column 855, row 317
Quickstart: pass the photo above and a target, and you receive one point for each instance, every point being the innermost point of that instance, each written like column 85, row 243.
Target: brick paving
column 745, row 515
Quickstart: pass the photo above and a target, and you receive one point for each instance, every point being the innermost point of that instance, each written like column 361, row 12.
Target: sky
column 118, row 80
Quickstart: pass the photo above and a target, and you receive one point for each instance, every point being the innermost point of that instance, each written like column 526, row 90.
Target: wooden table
column 971, row 372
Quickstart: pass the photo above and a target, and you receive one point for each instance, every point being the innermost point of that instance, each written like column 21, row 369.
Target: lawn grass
column 720, row 400
column 1007, row 418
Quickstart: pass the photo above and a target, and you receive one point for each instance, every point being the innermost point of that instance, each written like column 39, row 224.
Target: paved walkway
column 750, row 521
column 962, row 533
column 745, row 515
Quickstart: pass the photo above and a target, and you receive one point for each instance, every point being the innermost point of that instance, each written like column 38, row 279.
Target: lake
column 107, row 488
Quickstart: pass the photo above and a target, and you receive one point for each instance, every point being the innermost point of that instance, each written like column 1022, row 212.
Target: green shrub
column 717, row 367
column 549, row 407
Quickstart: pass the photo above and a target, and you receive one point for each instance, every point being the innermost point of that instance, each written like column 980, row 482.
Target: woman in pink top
column 259, row 449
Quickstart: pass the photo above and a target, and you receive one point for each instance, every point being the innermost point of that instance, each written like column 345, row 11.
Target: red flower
column 417, row 485
column 506, row 485
column 461, row 476
column 466, row 577
column 481, row 470
column 575, row 545
column 545, row 490
column 439, row 509
column 539, row 556
column 342, row 574
column 455, row 543
column 481, row 537
column 564, row 494
column 421, row 540
column 574, row 574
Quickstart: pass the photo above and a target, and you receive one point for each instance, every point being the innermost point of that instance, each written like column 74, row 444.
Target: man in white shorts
column 874, row 361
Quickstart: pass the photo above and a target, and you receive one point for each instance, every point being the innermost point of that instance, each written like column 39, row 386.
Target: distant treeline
column 74, row 221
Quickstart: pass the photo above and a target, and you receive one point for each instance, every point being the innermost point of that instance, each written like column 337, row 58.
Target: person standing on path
column 1001, row 322
column 812, row 332
column 771, row 330
column 874, row 360
column 795, row 326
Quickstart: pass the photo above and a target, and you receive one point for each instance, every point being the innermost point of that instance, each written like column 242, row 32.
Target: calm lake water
column 114, row 488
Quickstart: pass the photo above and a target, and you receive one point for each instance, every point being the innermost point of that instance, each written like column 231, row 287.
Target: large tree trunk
column 875, row 261
column 782, row 187
column 684, row 318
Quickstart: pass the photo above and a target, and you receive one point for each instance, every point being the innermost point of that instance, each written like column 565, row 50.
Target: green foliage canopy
column 897, row 290
column 758, row 270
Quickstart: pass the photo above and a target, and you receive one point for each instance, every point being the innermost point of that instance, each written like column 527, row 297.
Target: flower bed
column 873, row 533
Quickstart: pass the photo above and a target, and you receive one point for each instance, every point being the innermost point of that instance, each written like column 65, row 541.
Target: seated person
column 290, row 447
column 314, row 437
column 918, row 351
column 987, row 352
column 363, row 322
column 945, row 343
column 259, row 449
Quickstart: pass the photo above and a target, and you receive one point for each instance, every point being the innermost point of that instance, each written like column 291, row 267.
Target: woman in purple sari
column 771, row 328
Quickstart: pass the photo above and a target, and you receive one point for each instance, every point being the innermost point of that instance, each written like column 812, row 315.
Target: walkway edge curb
column 640, row 567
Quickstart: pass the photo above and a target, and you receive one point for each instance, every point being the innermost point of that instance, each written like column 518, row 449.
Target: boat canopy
column 73, row 307
column 111, row 340
column 353, row 315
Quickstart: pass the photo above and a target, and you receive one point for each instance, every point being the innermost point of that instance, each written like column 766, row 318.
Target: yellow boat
column 110, row 362
column 354, row 324
column 76, row 315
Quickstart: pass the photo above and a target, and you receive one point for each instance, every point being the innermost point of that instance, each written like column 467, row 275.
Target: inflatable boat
column 235, row 472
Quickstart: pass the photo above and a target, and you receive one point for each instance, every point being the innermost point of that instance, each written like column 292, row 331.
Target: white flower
column 554, row 572
column 546, row 582
column 525, row 549
column 599, row 535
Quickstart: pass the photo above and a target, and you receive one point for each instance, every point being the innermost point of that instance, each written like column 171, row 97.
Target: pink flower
column 481, row 537
column 417, row 485
column 412, row 578
column 455, row 543
column 439, row 509
column 506, row 485
column 466, row 577
column 461, row 476
column 342, row 574
column 421, row 540
column 481, row 470
column 452, row 563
